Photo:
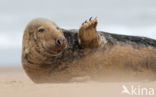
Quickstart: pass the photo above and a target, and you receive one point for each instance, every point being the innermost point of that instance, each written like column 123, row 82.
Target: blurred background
column 131, row 17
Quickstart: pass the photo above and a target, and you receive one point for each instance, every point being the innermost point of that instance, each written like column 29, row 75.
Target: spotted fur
column 86, row 52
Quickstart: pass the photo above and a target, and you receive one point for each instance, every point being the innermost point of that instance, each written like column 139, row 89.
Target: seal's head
column 45, row 36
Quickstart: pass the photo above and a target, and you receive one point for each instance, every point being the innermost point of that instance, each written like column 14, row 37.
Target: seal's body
column 51, row 54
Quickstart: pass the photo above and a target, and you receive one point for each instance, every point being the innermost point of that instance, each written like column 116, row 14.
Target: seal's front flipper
column 88, row 35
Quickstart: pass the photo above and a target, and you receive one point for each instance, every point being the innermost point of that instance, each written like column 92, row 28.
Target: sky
column 130, row 17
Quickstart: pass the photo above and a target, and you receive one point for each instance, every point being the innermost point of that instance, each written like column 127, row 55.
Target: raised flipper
column 88, row 35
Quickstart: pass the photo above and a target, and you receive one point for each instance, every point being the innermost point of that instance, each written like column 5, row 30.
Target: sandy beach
column 15, row 83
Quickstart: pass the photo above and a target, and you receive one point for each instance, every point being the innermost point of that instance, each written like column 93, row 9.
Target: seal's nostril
column 60, row 42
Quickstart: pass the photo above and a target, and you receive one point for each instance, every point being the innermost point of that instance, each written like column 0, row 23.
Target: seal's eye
column 41, row 30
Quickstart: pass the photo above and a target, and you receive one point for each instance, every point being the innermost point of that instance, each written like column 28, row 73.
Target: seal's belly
column 105, row 64
column 119, row 59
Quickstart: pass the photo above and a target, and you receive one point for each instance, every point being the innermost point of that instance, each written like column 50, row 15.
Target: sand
column 15, row 83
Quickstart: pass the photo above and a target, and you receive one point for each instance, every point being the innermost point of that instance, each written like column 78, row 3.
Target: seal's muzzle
column 61, row 43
